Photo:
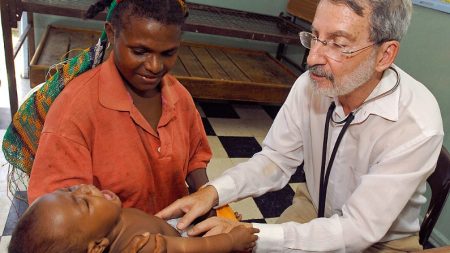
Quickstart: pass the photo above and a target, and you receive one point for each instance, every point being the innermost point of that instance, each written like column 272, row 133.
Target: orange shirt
column 93, row 134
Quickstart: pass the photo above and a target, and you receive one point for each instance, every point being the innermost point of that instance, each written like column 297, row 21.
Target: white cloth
column 173, row 223
column 377, row 182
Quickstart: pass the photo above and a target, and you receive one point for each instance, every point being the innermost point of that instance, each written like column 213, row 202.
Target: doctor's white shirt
column 377, row 181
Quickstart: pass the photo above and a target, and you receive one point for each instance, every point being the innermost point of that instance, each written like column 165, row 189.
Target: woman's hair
column 389, row 19
column 168, row 12
column 30, row 236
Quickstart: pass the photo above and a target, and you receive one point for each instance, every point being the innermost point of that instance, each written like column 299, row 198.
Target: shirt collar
column 385, row 106
column 114, row 95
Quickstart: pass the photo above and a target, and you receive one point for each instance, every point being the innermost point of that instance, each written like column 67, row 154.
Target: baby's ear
column 98, row 246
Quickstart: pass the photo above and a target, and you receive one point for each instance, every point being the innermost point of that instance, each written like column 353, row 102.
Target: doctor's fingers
column 215, row 231
column 213, row 226
column 174, row 210
column 187, row 208
column 197, row 204
column 193, row 213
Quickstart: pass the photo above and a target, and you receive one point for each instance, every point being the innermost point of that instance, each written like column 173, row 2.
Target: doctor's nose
column 317, row 55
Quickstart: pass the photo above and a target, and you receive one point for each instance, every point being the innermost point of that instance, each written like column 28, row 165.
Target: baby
column 84, row 219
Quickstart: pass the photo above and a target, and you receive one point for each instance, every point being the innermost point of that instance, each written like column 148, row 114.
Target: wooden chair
column 445, row 249
column 303, row 9
column 439, row 183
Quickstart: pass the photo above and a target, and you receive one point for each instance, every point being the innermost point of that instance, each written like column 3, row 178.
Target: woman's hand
column 191, row 206
column 136, row 243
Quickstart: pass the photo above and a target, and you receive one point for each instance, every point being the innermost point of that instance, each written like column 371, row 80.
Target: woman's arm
column 240, row 238
column 196, row 179
column 199, row 153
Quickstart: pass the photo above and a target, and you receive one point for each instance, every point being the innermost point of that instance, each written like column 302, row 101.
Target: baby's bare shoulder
column 139, row 222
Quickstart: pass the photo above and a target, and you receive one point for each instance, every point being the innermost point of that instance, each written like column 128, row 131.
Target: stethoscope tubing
column 325, row 174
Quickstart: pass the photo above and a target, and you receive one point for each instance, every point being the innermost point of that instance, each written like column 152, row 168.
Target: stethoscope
column 325, row 175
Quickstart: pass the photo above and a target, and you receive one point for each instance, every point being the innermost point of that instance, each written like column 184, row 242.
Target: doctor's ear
column 98, row 246
column 387, row 52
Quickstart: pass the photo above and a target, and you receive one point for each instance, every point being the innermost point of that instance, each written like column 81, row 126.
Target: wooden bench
column 56, row 45
column 208, row 72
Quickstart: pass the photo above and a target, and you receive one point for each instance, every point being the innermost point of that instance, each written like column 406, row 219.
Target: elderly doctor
column 368, row 134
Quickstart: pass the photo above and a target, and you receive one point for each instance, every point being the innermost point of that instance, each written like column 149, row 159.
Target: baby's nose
column 83, row 189
column 74, row 188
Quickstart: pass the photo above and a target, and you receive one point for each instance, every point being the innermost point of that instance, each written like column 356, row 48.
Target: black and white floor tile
column 235, row 132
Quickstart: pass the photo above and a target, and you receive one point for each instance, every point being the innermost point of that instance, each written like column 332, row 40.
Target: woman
column 127, row 125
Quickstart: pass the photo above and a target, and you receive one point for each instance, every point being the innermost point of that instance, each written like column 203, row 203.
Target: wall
column 425, row 54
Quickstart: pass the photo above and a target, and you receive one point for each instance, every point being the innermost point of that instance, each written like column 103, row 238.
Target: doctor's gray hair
column 389, row 18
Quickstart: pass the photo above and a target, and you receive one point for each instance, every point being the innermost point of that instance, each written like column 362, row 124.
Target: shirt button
column 159, row 149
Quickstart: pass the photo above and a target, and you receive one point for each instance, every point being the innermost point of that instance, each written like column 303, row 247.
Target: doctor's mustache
column 318, row 70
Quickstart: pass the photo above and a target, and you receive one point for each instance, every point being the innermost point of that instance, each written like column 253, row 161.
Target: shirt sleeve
column 60, row 162
column 200, row 152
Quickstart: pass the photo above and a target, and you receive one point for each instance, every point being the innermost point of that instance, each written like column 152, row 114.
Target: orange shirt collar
column 114, row 95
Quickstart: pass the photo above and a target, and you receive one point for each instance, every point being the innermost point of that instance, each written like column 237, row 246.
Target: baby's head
column 75, row 219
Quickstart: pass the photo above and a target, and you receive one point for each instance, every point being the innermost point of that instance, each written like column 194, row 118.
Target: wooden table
column 214, row 72
column 202, row 18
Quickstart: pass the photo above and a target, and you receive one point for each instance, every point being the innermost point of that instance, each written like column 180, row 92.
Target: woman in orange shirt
column 127, row 125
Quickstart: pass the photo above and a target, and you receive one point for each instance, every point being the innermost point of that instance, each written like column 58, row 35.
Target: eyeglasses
column 332, row 49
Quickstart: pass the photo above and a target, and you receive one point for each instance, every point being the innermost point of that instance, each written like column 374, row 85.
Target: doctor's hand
column 215, row 226
column 191, row 206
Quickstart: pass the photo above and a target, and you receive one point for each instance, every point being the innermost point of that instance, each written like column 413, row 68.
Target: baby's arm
column 240, row 238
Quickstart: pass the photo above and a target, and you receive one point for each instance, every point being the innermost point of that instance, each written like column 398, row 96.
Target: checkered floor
column 235, row 132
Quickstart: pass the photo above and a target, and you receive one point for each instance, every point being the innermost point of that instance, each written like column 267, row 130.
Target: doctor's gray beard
column 345, row 84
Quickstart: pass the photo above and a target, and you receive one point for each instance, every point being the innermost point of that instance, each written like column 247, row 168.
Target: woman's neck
column 143, row 94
